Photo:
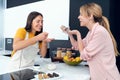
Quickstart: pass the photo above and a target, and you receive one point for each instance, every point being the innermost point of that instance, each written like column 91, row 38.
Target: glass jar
column 59, row 52
column 69, row 52
column 63, row 52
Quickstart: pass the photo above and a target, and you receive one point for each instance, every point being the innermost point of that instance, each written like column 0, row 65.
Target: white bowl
column 51, row 66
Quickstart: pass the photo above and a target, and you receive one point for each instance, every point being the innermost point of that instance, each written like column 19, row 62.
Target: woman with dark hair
column 29, row 41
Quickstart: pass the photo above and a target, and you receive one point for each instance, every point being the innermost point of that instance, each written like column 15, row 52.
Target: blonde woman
column 98, row 48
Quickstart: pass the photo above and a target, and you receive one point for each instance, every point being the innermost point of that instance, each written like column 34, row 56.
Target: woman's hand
column 64, row 29
column 48, row 40
column 74, row 32
column 42, row 36
column 75, row 47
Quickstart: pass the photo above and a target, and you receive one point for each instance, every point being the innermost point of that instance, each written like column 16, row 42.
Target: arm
column 43, row 49
column 71, row 33
column 19, row 43
column 94, row 46
column 43, row 46
column 73, row 42
column 80, row 43
column 76, row 44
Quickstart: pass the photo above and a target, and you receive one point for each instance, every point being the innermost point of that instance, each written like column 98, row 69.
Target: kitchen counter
column 80, row 72
column 4, row 61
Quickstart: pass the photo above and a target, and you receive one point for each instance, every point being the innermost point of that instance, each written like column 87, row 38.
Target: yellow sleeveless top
column 21, row 33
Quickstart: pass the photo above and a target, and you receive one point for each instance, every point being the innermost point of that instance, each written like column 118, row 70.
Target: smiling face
column 37, row 24
column 84, row 20
column 89, row 13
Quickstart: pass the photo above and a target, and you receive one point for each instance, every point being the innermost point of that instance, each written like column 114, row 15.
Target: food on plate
column 40, row 76
column 55, row 74
column 45, row 76
column 48, row 75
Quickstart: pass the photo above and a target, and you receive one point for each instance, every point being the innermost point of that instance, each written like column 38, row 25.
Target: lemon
column 77, row 59
column 65, row 57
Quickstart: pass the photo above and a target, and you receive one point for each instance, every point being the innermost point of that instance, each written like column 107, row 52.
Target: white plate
column 54, row 78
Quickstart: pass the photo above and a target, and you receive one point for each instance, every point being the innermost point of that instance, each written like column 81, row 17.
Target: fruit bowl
column 72, row 61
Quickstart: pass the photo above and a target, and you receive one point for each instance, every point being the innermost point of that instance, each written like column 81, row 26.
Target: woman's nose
column 41, row 23
column 79, row 17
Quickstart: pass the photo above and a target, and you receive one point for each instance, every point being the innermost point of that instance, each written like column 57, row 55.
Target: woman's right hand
column 42, row 36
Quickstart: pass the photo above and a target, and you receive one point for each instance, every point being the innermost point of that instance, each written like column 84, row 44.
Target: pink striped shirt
column 98, row 45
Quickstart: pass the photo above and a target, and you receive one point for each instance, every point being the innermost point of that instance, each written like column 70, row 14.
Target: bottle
column 63, row 52
column 59, row 51
column 69, row 52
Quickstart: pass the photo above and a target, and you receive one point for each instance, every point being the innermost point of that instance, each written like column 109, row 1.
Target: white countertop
column 79, row 72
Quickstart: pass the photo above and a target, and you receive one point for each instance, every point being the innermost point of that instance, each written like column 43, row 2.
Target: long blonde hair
column 96, row 11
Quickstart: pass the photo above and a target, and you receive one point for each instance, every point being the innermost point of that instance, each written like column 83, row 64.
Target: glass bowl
column 72, row 61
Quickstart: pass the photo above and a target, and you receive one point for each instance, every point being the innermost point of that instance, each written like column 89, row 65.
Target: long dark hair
column 30, row 18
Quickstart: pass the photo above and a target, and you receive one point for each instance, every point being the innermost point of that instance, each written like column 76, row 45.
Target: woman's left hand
column 49, row 40
column 75, row 32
